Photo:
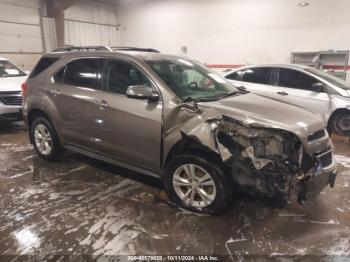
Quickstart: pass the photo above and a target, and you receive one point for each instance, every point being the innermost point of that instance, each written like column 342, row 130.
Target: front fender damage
column 261, row 160
column 204, row 129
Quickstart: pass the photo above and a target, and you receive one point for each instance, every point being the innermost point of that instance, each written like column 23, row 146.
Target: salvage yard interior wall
column 220, row 33
column 91, row 23
column 20, row 30
column 236, row 32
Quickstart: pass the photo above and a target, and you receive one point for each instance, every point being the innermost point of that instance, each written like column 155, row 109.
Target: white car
column 11, row 79
column 300, row 85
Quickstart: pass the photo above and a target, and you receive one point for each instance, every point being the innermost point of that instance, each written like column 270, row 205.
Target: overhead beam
column 55, row 6
column 55, row 9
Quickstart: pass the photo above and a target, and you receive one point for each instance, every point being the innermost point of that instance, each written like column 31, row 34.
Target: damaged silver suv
column 173, row 118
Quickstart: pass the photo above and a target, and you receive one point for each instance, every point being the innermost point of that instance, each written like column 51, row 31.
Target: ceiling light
column 304, row 4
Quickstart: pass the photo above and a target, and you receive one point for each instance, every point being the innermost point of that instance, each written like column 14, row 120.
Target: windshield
column 330, row 78
column 191, row 81
column 7, row 69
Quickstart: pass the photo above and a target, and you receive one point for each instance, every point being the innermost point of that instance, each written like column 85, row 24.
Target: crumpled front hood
column 12, row 83
column 258, row 111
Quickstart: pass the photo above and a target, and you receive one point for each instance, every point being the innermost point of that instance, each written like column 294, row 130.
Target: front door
column 256, row 79
column 294, row 87
column 128, row 129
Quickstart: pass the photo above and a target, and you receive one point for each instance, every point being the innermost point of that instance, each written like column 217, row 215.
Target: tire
column 340, row 123
column 52, row 145
column 217, row 186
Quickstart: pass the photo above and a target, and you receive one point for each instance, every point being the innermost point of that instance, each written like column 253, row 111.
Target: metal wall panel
column 81, row 33
column 19, row 14
column 25, row 61
column 97, row 13
column 20, row 31
column 49, row 33
column 20, row 38
column 91, row 23
column 27, row 3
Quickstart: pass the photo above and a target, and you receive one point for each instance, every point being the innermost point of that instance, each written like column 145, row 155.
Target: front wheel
column 45, row 139
column 340, row 123
column 197, row 184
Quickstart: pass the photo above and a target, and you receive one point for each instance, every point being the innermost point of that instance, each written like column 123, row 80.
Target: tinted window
column 330, row 78
column 120, row 75
column 257, row 75
column 295, row 79
column 81, row 72
column 59, row 77
column 236, row 75
column 43, row 63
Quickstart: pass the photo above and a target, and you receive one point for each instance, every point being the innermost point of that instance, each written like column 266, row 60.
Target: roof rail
column 71, row 48
column 138, row 49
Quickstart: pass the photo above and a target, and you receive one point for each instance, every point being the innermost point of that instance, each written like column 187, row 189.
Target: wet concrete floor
column 82, row 206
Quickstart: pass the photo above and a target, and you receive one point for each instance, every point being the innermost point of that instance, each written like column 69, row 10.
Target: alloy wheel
column 194, row 185
column 43, row 140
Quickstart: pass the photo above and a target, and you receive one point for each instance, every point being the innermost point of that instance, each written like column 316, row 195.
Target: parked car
column 303, row 86
column 173, row 118
column 11, row 78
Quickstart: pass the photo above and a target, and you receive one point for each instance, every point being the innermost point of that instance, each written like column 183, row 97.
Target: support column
column 55, row 9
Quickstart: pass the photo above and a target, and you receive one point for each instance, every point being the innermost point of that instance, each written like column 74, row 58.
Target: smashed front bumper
column 310, row 187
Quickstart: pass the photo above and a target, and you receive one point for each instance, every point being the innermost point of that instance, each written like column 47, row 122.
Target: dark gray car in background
column 173, row 118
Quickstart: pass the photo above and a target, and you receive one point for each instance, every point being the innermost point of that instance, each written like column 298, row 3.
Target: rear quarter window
column 42, row 65
column 80, row 72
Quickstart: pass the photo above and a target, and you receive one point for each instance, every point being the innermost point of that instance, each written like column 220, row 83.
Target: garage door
column 20, row 30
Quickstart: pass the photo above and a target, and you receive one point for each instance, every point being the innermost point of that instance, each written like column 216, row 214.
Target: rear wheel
column 45, row 139
column 340, row 123
column 197, row 184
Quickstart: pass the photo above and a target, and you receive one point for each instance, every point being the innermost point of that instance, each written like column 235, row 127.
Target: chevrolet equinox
column 173, row 118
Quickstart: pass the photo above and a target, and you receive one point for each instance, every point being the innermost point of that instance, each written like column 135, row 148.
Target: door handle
column 282, row 93
column 102, row 104
column 55, row 92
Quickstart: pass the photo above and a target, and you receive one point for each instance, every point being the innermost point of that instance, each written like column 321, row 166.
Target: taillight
column 24, row 89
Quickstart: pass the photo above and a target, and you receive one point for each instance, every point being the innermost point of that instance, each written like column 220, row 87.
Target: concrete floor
column 83, row 206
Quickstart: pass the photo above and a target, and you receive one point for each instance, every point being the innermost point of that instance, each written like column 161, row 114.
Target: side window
column 81, row 72
column 44, row 63
column 257, row 75
column 295, row 79
column 59, row 77
column 236, row 75
column 120, row 75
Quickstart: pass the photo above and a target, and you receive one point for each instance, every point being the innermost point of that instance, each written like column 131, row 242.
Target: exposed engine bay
column 261, row 160
column 265, row 160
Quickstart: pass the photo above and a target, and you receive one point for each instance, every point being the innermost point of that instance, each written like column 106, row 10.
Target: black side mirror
column 319, row 88
column 142, row 92
column 241, row 88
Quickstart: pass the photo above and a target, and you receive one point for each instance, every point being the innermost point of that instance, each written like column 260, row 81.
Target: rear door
column 257, row 80
column 73, row 92
column 294, row 87
column 128, row 129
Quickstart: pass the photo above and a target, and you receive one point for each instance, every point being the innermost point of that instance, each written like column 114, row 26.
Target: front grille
column 11, row 98
column 317, row 135
column 326, row 159
column 11, row 117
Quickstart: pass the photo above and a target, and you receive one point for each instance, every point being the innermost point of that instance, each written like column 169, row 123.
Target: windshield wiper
column 189, row 99
column 213, row 98
column 234, row 93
